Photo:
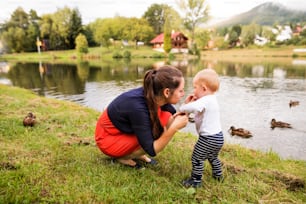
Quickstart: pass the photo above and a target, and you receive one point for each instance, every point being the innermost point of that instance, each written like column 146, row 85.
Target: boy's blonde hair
column 210, row 78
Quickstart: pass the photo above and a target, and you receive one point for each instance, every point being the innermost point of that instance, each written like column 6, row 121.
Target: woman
column 142, row 121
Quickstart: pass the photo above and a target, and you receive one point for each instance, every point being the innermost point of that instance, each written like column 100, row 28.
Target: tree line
column 25, row 32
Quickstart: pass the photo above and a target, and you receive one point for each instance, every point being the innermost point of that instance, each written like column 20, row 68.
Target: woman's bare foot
column 145, row 158
column 148, row 160
column 129, row 162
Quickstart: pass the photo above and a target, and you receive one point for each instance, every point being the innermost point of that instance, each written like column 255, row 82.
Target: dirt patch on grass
column 291, row 182
column 233, row 169
column 8, row 166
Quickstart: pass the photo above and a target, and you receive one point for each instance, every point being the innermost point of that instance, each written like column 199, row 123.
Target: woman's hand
column 180, row 120
column 178, row 113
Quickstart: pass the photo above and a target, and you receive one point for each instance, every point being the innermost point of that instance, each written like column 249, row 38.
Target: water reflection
column 251, row 94
column 61, row 78
column 71, row 79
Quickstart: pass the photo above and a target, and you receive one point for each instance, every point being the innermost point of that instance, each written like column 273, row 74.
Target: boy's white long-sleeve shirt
column 207, row 114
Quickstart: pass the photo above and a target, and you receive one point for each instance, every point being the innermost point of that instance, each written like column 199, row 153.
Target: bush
column 158, row 55
column 81, row 44
column 127, row 54
column 302, row 42
column 194, row 50
column 171, row 56
column 117, row 54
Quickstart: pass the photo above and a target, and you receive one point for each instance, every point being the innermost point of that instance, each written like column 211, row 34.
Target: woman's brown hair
column 155, row 82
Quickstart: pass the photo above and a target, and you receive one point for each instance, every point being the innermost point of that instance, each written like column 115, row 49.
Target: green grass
column 52, row 162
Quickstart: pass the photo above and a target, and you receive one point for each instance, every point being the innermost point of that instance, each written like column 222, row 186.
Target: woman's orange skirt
column 114, row 143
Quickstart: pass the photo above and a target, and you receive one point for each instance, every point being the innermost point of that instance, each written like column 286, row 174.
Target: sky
column 92, row 9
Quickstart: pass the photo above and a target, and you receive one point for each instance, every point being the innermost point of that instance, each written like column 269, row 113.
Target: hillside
column 266, row 14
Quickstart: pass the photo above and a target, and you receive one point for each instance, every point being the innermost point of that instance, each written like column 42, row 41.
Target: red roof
column 160, row 37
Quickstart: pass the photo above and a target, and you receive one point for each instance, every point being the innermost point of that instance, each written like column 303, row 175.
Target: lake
column 252, row 92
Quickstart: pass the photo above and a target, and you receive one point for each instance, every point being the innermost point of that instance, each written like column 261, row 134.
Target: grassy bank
column 94, row 54
column 143, row 52
column 56, row 161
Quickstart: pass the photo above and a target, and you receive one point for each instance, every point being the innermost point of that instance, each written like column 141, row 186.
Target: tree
column 267, row 33
column 249, row 33
column 19, row 36
column 19, row 18
column 237, row 29
column 33, row 17
column 32, row 35
column 9, row 40
column 102, row 31
column 202, row 37
column 222, row 31
column 88, row 32
column 138, row 30
column 60, row 29
column 45, row 26
column 303, row 33
column 156, row 16
column 81, row 44
column 118, row 26
column 75, row 27
column 66, row 25
column 195, row 12
column 234, row 35
column 19, row 32
column 167, row 36
column 32, row 31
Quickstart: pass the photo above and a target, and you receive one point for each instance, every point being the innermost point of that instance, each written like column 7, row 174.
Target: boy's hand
column 190, row 98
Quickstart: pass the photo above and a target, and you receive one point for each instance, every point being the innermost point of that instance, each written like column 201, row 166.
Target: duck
column 279, row 124
column 293, row 103
column 240, row 132
column 29, row 120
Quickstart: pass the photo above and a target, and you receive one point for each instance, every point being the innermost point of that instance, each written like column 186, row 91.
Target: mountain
column 266, row 14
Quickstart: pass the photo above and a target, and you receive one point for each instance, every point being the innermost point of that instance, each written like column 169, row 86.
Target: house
column 283, row 34
column 297, row 30
column 260, row 40
column 179, row 42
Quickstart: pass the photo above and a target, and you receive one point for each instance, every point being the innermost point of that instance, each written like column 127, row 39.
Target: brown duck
column 240, row 132
column 279, row 124
column 29, row 120
column 293, row 103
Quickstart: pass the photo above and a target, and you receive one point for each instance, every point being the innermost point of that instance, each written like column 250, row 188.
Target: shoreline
column 57, row 161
